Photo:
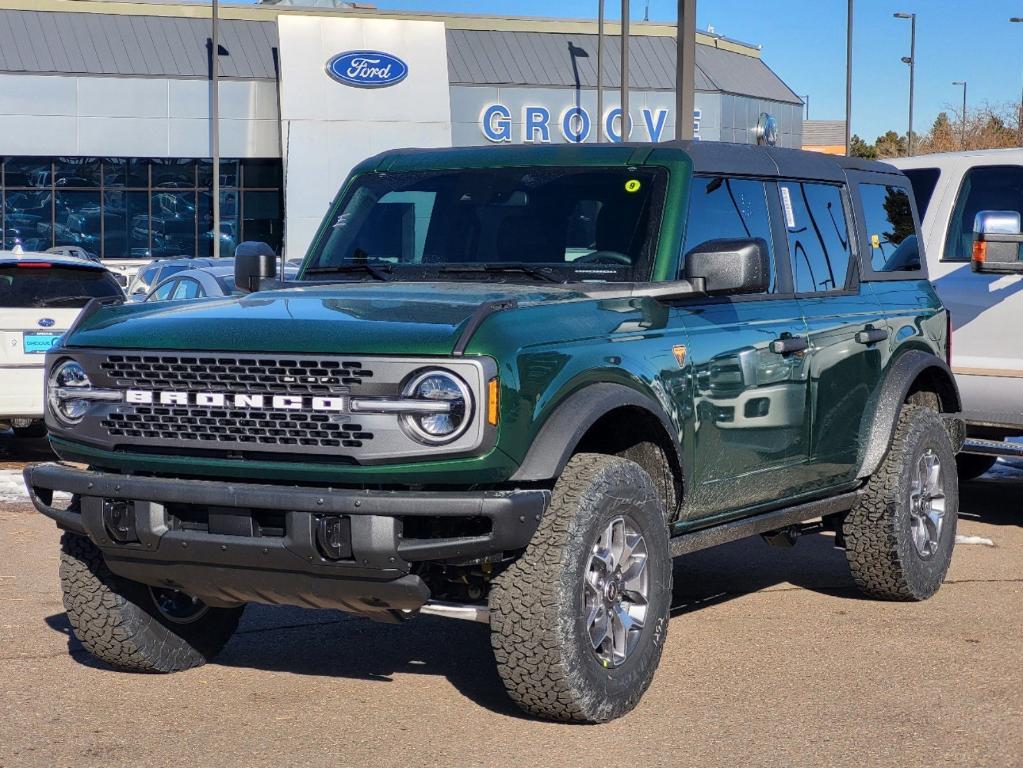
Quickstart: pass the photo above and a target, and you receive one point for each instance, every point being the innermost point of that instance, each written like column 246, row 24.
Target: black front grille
column 243, row 427
column 219, row 373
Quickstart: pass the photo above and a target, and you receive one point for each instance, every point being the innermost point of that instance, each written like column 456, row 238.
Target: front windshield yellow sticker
column 875, row 241
column 632, row 185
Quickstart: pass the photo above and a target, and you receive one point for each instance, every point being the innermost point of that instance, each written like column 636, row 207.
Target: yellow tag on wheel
column 632, row 185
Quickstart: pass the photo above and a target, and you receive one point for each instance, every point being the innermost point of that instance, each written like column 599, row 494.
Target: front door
column 749, row 428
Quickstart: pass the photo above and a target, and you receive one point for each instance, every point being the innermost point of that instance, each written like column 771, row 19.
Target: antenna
column 646, row 13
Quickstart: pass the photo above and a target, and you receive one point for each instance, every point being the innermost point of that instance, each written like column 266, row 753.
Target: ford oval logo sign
column 46, row 322
column 367, row 69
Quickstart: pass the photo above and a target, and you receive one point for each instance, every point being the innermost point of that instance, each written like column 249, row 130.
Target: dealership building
column 105, row 109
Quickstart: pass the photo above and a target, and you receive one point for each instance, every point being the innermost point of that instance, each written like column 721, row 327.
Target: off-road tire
column 878, row 536
column 541, row 645
column 117, row 621
column 970, row 466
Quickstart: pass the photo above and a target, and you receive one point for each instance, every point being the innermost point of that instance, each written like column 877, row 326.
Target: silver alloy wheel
column 616, row 591
column 927, row 504
column 177, row 606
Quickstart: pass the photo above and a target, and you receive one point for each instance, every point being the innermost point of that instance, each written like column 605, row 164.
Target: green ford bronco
column 510, row 385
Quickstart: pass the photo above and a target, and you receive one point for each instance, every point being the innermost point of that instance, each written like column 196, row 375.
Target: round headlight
column 441, row 388
column 65, row 379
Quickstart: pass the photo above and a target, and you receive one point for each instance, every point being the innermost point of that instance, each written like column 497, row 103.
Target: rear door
column 750, row 428
column 843, row 372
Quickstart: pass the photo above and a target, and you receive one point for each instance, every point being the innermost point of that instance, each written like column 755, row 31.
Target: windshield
column 42, row 285
column 564, row 224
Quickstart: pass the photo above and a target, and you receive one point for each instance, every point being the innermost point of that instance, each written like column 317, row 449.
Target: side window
column 725, row 208
column 891, row 234
column 985, row 188
column 163, row 292
column 818, row 233
column 187, row 289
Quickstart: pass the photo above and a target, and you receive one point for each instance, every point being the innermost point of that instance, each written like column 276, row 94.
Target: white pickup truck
column 971, row 204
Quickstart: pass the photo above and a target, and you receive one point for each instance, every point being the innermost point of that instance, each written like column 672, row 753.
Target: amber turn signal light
column 492, row 401
column 979, row 250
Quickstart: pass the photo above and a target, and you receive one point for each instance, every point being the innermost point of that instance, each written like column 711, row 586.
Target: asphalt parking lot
column 772, row 659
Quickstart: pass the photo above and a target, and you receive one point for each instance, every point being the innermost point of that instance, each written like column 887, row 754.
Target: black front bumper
column 234, row 559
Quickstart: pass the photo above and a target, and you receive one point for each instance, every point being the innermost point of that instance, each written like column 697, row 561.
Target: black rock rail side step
column 762, row 523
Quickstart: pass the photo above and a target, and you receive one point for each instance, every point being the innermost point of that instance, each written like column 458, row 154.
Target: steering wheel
column 605, row 257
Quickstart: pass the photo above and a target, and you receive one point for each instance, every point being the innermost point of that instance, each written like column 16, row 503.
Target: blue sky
column 804, row 42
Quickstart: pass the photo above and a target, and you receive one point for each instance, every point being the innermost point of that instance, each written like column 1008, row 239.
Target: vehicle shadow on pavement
column 995, row 498
column 334, row 644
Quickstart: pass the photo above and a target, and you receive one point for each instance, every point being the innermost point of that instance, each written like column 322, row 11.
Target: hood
column 364, row 318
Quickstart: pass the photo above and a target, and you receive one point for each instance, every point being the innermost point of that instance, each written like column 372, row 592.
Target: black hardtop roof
column 707, row 157
column 751, row 159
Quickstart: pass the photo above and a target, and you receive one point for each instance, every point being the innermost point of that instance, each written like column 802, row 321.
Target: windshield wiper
column 377, row 273
column 54, row 301
column 539, row 272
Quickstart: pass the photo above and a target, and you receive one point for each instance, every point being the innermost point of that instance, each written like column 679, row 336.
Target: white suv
column 985, row 301
column 41, row 294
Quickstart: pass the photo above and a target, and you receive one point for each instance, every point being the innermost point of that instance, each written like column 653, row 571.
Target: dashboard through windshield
column 564, row 224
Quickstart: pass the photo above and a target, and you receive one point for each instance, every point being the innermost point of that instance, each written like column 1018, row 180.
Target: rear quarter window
column 54, row 286
column 891, row 231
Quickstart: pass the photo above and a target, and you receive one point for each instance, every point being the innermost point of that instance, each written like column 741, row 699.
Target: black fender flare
column 572, row 417
column 878, row 426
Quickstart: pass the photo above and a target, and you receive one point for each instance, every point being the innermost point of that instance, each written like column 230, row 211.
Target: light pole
column 1018, row 20
column 911, row 60
column 685, row 72
column 848, row 75
column 963, row 84
column 600, row 70
column 625, row 71
column 215, row 122
column 806, row 103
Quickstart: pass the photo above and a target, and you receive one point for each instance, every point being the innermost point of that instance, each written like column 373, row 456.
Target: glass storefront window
column 136, row 207
column 28, row 172
column 261, row 218
column 229, row 203
column 262, row 174
column 228, row 173
column 76, row 172
column 77, row 220
column 173, row 173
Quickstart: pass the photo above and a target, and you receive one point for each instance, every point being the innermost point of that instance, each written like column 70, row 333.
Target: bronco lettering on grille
column 221, row 400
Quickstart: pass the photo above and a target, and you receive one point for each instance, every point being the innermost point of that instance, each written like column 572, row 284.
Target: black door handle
column 871, row 335
column 786, row 345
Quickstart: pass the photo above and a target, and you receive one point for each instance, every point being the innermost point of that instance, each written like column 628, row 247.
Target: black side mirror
column 253, row 263
column 996, row 242
column 730, row 265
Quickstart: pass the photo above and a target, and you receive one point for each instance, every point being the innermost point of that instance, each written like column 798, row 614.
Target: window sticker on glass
column 632, row 185
column 786, row 203
column 875, row 241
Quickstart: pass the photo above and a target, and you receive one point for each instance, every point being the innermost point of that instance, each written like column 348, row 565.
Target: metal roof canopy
column 42, row 42
column 47, row 42
column 545, row 59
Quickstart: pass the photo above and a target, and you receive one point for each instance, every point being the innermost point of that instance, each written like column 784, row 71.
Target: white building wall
column 134, row 117
column 329, row 127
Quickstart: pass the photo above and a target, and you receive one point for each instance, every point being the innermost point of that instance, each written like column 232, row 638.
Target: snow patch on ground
column 12, row 485
column 961, row 539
